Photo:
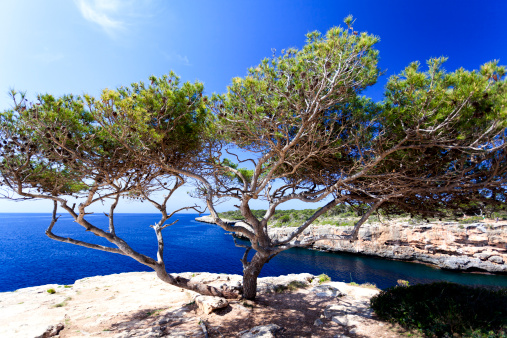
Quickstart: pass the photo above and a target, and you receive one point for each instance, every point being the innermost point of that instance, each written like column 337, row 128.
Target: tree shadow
column 294, row 312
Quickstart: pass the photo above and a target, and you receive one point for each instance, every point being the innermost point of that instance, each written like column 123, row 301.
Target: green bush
column 445, row 309
column 345, row 223
column 294, row 285
column 402, row 282
column 285, row 218
column 51, row 291
column 323, row 278
column 472, row 219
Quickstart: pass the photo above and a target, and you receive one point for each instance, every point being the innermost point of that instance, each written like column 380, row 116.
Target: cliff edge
column 448, row 245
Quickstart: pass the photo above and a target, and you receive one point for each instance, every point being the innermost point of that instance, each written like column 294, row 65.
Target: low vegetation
column 323, row 278
column 347, row 215
column 365, row 285
column 445, row 309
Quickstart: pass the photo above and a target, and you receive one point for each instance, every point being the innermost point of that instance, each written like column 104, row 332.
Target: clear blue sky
column 83, row 46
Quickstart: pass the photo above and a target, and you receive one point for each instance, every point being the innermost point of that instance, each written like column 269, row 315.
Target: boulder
column 496, row 259
column 318, row 322
column 347, row 320
column 52, row 330
column 326, row 291
column 483, row 255
column 273, row 284
column 210, row 303
column 261, row 331
column 335, row 310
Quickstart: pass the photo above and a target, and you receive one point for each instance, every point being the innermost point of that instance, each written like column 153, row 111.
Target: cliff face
column 478, row 246
column 448, row 245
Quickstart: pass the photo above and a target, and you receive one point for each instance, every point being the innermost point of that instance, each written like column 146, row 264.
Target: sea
column 29, row 258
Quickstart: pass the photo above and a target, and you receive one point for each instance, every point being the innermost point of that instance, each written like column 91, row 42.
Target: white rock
column 262, row 331
column 335, row 310
column 210, row 303
column 347, row 320
column 326, row 291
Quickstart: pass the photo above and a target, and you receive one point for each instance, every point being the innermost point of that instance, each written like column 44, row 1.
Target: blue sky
column 84, row 46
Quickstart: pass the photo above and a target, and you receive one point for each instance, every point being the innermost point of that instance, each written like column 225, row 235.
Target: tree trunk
column 203, row 289
column 250, row 273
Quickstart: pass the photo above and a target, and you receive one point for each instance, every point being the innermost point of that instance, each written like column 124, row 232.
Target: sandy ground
column 140, row 305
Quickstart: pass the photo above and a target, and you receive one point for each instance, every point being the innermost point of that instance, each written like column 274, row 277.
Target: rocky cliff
column 448, row 245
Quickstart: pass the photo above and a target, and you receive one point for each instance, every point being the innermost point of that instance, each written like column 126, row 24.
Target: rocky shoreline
column 479, row 247
column 138, row 304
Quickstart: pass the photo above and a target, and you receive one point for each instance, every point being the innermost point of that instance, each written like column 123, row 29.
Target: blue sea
column 28, row 257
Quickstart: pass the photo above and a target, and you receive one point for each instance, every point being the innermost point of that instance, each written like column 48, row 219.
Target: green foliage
column 165, row 119
column 341, row 215
column 51, row 291
column 402, row 282
column 269, row 108
column 323, row 278
column 284, row 218
column 428, row 110
column 445, row 309
column 294, row 285
column 71, row 145
column 64, row 303
column 501, row 215
column 473, row 219
column 369, row 285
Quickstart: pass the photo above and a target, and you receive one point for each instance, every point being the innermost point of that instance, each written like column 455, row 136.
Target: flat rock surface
column 138, row 304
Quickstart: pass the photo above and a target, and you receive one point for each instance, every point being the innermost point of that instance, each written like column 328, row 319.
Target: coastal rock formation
column 138, row 304
column 448, row 245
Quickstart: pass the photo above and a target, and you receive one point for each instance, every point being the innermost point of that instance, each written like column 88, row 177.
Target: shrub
column 323, row 278
column 345, row 223
column 402, row 282
column 472, row 219
column 369, row 285
column 51, row 291
column 445, row 309
column 285, row 218
column 294, row 285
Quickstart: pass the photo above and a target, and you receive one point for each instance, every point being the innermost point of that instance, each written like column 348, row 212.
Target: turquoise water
column 29, row 258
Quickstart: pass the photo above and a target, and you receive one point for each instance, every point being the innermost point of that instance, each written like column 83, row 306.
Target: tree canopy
column 93, row 148
column 294, row 128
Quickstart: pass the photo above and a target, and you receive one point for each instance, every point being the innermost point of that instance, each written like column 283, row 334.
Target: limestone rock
column 273, row 284
column 52, row 330
column 261, row 331
column 335, row 310
column 496, row 259
column 347, row 320
column 318, row 322
column 326, row 291
column 448, row 245
column 210, row 303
